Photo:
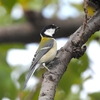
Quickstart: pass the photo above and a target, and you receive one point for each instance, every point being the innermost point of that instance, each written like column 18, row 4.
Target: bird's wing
column 40, row 52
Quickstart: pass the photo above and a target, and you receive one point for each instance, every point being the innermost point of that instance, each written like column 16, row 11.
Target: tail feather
column 31, row 72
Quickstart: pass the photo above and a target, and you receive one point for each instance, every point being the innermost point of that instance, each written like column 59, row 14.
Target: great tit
column 46, row 51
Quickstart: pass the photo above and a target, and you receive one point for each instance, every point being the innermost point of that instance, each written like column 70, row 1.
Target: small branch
column 65, row 54
column 85, row 15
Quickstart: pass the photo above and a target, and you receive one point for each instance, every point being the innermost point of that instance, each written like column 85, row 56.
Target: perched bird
column 46, row 51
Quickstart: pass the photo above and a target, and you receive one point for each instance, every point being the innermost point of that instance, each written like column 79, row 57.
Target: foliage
column 6, row 8
column 7, row 86
column 71, row 77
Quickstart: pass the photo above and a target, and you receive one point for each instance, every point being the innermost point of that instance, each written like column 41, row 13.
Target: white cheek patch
column 49, row 32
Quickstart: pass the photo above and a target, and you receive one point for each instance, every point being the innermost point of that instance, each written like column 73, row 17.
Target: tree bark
column 72, row 49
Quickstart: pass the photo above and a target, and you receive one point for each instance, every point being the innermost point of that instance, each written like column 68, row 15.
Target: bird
column 46, row 51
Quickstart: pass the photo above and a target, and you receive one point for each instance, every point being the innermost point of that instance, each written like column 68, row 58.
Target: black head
column 49, row 30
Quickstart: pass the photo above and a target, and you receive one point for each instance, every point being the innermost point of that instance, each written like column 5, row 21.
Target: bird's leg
column 43, row 64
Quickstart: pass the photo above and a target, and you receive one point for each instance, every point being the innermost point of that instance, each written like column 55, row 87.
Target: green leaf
column 79, row 65
column 33, row 94
column 8, row 4
column 73, row 73
column 95, row 96
column 60, row 94
column 73, row 96
column 21, row 80
column 8, row 46
column 95, row 36
column 66, row 82
column 7, row 86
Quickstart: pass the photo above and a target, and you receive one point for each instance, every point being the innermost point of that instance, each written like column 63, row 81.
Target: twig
column 85, row 15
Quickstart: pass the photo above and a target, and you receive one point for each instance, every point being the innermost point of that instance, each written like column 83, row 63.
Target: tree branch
column 29, row 32
column 65, row 54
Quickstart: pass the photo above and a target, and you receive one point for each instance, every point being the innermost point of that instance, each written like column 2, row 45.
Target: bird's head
column 49, row 30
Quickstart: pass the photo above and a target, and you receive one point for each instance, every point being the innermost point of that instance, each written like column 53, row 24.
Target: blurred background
column 20, row 24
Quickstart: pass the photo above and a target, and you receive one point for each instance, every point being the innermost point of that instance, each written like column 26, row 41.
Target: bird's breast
column 50, row 55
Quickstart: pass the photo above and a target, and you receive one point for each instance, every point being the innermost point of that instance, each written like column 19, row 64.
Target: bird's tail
column 31, row 72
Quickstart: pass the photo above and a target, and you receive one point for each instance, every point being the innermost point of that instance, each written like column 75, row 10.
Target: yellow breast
column 50, row 55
